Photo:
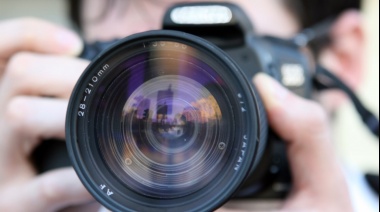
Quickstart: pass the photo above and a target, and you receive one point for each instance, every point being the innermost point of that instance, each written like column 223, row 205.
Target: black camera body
column 242, row 54
column 279, row 58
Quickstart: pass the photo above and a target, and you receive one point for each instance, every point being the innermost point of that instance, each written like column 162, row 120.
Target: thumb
column 304, row 126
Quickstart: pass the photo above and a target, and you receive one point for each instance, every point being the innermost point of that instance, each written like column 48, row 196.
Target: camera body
column 279, row 58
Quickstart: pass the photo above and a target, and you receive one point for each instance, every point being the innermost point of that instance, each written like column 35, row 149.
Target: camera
column 169, row 120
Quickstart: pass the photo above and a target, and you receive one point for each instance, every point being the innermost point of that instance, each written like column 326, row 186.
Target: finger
column 287, row 112
column 29, row 34
column 41, row 75
column 305, row 127
column 56, row 190
column 31, row 119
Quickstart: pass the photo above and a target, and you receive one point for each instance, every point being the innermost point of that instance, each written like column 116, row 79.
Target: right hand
column 38, row 71
column 318, row 180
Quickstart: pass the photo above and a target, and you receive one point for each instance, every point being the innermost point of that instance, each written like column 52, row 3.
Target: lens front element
column 171, row 143
column 163, row 121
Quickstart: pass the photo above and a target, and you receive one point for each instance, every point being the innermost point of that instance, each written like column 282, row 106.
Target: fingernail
column 271, row 91
column 69, row 42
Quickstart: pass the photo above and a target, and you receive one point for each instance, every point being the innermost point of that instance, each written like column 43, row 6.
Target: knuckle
column 28, row 26
column 29, row 22
column 48, row 191
column 318, row 118
column 16, row 68
column 16, row 114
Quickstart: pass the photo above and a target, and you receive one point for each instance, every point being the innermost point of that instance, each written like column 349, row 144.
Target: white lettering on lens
column 242, row 153
column 100, row 73
column 240, row 96
column 109, row 193
column 106, row 67
column 95, row 79
column 88, row 91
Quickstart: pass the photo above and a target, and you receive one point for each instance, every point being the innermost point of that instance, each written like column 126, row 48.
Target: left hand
column 38, row 70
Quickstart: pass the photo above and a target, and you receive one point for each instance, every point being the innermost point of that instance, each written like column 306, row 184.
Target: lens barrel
column 164, row 121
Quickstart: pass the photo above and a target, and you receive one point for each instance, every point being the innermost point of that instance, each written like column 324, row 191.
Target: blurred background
column 355, row 144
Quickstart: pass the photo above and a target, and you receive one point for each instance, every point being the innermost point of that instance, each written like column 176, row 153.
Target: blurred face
column 112, row 19
column 106, row 21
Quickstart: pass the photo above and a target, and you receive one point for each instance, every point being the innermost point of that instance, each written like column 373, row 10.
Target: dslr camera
column 169, row 120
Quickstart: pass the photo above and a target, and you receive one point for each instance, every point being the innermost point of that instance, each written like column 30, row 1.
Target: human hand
column 37, row 74
column 318, row 180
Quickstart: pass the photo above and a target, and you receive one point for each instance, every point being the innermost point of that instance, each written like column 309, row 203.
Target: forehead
column 270, row 17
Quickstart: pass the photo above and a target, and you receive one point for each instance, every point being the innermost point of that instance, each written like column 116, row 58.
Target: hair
column 309, row 12
column 74, row 12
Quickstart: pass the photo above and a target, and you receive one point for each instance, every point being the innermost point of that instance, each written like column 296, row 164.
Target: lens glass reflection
column 167, row 133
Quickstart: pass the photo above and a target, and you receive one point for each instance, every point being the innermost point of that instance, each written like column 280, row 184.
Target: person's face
column 126, row 17
column 104, row 21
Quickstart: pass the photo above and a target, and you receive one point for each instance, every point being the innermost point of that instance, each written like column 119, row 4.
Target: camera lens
column 164, row 121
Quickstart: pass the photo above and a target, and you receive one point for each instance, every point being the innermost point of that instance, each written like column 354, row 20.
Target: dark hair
column 309, row 12
column 74, row 12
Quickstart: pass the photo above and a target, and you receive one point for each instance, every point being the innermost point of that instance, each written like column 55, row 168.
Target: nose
column 144, row 16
